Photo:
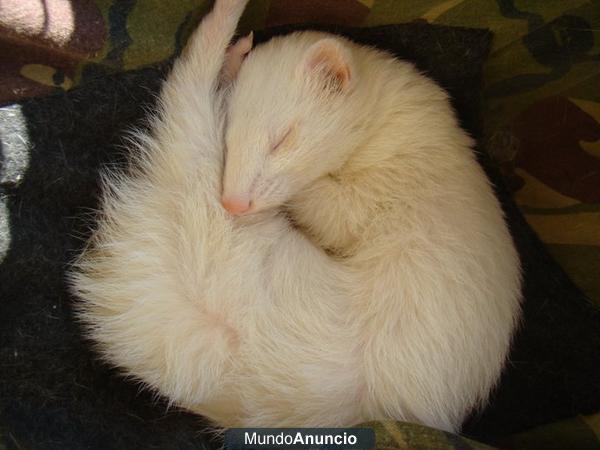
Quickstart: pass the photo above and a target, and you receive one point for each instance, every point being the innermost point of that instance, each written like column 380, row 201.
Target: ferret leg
column 333, row 214
column 199, row 66
column 204, row 54
column 190, row 100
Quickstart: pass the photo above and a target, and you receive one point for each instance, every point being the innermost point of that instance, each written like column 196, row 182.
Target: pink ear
column 330, row 56
column 234, row 57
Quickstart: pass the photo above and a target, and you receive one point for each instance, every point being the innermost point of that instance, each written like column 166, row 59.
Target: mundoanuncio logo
column 300, row 438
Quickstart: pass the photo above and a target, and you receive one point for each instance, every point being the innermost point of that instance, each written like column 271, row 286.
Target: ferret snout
column 237, row 205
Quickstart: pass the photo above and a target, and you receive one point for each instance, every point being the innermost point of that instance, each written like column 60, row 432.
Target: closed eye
column 281, row 140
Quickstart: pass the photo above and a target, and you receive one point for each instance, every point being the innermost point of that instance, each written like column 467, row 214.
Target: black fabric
column 55, row 394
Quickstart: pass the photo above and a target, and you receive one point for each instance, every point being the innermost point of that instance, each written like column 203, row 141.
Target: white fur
column 375, row 168
column 248, row 322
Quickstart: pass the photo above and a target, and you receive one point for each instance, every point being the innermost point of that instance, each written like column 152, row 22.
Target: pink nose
column 236, row 205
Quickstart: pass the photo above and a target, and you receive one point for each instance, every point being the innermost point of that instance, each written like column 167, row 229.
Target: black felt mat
column 53, row 394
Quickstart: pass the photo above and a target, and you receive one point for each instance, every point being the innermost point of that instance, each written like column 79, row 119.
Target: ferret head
column 288, row 119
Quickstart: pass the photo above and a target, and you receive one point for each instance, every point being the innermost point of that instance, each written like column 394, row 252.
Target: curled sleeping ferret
column 395, row 293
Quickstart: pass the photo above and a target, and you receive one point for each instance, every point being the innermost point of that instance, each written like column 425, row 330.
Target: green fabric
column 543, row 74
column 404, row 436
column 582, row 432
column 541, row 118
column 578, row 433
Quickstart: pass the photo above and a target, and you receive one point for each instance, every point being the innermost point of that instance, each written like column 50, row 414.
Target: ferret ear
column 234, row 57
column 329, row 56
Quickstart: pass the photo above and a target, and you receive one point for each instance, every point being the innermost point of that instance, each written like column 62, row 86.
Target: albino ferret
column 367, row 156
column 237, row 315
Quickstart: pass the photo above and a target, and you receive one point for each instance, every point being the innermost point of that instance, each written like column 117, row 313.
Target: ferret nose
column 236, row 205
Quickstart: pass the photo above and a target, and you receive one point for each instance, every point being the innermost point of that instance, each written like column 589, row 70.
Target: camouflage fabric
column 581, row 433
column 541, row 113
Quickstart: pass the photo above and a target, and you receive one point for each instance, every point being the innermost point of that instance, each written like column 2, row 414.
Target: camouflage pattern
column 542, row 95
column 581, row 433
column 541, row 111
